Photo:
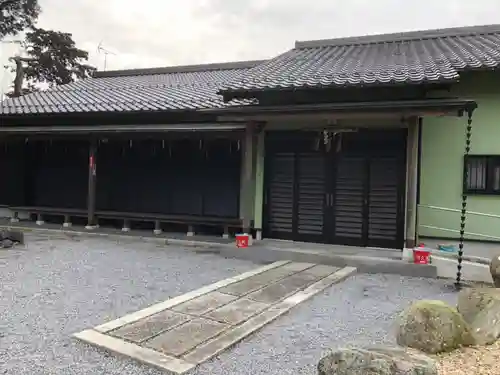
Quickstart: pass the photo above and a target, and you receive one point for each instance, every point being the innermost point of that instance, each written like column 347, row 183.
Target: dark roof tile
column 161, row 89
column 414, row 57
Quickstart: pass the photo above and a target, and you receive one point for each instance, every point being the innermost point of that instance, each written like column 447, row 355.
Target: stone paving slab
column 180, row 333
column 277, row 291
column 258, row 281
column 186, row 337
column 150, row 327
column 203, row 304
column 237, row 311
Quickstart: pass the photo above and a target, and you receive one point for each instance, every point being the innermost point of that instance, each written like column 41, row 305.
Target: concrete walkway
column 265, row 251
column 183, row 332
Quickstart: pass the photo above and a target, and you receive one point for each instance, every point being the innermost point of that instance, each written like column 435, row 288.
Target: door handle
column 331, row 199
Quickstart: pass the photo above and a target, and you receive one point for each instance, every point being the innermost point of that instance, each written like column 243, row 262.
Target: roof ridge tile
column 401, row 37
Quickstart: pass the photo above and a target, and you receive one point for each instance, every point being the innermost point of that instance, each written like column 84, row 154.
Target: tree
column 51, row 58
column 17, row 15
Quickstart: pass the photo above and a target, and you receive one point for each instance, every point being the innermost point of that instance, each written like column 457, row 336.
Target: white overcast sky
column 147, row 33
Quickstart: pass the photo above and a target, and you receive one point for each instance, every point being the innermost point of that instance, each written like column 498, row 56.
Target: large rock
column 480, row 308
column 13, row 236
column 471, row 301
column 433, row 327
column 495, row 270
column 377, row 361
column 6, row 244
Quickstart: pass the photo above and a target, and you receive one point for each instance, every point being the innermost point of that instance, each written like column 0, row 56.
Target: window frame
column 492, row 161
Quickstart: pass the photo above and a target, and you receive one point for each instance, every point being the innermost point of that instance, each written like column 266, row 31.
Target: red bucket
column 242, row 240
column 421, row 256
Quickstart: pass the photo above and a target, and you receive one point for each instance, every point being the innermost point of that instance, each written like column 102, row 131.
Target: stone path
column 178, row 334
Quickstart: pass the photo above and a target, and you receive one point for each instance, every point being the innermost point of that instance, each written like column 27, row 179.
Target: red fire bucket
column 242, row 240
column 421, row 255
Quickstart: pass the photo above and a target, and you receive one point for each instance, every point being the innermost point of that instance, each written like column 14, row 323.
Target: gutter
column 438, row 105
column 123, row 128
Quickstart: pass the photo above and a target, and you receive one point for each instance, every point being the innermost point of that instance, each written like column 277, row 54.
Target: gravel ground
column 467, row 361
column 60, row 287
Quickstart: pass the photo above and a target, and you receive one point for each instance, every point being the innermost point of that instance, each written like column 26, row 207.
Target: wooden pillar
column 126, row 226
column 14, row 217
column 259, row 185
column 412, row 182
column 247, row 188
column 91, row 193
column 157, row 231
column 67, row 221
column 39, row 219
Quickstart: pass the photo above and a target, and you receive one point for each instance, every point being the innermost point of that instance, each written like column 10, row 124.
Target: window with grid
column 482, row 174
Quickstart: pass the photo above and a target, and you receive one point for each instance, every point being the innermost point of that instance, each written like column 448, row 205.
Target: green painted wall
column 443, row 144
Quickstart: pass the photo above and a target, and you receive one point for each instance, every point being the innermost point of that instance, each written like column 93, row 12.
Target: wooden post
column 126, row 225
column 15, row 217
column 39, row 219
column 91, row 197
column 247, row 189
column 67, row 221
column 259, row 184
column 157, row 231
column 412, row 177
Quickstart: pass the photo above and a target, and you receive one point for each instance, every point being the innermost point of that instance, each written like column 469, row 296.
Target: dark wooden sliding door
column 295, row 187
column 350, row 192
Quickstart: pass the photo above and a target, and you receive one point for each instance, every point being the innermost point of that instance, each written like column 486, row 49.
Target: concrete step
column 364, row 264
column 471, row 271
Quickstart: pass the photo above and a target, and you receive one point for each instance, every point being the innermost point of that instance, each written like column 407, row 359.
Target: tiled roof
column 413, row 57
column 161, row 89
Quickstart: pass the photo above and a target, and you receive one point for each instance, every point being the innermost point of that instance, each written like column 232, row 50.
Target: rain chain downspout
column 468, row 133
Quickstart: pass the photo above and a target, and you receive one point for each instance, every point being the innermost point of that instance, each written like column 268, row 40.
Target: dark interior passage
column 56, row 173
column 12, row 170
column 184, row 176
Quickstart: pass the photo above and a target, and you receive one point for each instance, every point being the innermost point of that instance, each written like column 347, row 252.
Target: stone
column 495, row 270
column 6, row 244
column 13, row 236
column 480, row 308
column 471, row 301
column 186, row 337
column 377, row 361
column 433, row 327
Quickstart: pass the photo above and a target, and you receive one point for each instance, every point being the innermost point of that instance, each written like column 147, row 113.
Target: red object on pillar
column 92, row 164
column 242, row 240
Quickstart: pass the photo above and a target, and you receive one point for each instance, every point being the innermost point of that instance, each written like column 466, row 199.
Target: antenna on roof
column 106, row 52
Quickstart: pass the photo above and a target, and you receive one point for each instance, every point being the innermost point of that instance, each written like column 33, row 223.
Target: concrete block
column 144, row 355
column 471, row 271
column 364, row 264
